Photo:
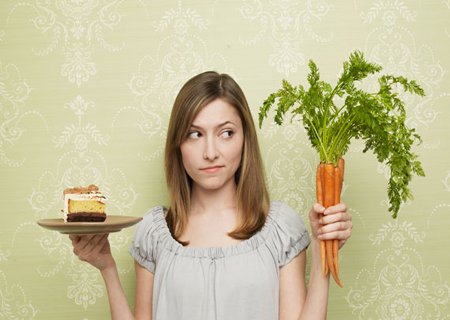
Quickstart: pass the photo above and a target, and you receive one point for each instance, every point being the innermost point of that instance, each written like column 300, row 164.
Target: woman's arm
column 118, row 304
column 295, row 301
column 292, row 287
column 144, row 293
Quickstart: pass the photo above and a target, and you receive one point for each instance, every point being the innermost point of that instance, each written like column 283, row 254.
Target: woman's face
column 212, row 150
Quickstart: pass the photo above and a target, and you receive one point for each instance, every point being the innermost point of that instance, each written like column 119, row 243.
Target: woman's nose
column 210, row 151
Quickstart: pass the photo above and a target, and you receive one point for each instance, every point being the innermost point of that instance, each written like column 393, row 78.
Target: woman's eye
column 194, row 135
column 227, row 133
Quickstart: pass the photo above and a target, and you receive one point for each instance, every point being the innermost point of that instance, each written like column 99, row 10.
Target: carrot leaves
column 334, row 115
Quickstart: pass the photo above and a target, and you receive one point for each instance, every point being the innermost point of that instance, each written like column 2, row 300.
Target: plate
column 111, row 224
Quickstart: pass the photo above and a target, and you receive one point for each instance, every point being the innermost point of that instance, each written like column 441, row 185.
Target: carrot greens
column 334, row 115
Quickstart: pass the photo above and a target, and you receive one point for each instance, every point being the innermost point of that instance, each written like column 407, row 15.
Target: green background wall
column 86, row 88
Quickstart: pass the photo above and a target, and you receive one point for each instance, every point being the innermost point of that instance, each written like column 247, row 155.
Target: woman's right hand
column 94, row 249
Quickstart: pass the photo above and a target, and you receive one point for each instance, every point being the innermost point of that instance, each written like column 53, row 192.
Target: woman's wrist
column 316, row 259
column 315, row 246
column 108, row 267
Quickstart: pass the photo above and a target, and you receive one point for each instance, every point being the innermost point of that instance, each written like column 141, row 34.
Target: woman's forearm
column 315, row 306
column 120, row 310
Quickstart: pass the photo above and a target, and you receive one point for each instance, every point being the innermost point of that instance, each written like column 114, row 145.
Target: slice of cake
column 84, row 204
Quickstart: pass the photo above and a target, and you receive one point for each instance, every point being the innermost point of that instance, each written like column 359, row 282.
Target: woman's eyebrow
column 193, row 125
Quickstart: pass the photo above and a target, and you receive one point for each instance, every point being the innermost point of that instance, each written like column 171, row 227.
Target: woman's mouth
column 211, row 169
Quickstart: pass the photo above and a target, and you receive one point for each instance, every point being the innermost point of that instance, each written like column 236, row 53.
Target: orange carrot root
column 329, row 181
column 339, row 178
column 330, row 258
column 336, row 255
column 319, row 184
column 320, row 199
column 329, row 185
column 337, row 185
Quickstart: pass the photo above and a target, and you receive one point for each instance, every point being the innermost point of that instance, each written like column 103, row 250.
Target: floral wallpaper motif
column 392, row 44
column 13, row 303
column 401, row 285
column 290, row 170
column 86, row 88
column 14, row 93
column 80, row 163
column 285, row 25
column 76, row 28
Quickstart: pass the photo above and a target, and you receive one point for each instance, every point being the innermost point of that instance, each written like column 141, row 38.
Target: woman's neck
column 209, row 201
column 213, row 214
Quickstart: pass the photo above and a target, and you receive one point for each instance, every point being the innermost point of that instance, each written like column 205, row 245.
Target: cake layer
column 86, row 217
column 76, row 206
column 77, row 199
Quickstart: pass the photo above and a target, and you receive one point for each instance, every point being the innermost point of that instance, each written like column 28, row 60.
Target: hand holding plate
column 94, row 249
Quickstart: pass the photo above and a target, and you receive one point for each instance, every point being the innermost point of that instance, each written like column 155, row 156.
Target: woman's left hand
column 335, row 222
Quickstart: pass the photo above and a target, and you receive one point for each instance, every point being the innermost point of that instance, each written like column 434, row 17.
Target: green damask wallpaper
column 86, row 87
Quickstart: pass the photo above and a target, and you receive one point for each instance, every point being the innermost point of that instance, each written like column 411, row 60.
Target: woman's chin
column 212, row 185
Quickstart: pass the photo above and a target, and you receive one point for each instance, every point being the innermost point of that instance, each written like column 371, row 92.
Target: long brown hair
column 251, row 190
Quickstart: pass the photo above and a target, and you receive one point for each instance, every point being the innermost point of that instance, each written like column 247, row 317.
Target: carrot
column 337, row 199
column 329, row 185
column 337, row 185
column 341, row 166
column 319, row 187
column 328, row 191
column 319, row 199
column 329, row 181
column 336, row 260
column 338, row 182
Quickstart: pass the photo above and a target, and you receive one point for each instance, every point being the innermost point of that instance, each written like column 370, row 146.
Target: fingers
column 341, row 243
column 334, row 231
column 316, row 212
column 88, row 241
column 336, row 223
column 336, row 213
column 88, row 246
column 340, row 207
column 318, row 208
column 74, row 238
column 336, row 217
column 336, row 226
column 94, row 249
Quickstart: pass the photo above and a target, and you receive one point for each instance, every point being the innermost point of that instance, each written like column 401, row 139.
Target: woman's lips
column 211, row 169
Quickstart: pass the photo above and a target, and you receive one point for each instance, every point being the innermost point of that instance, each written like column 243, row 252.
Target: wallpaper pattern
column 86, row 88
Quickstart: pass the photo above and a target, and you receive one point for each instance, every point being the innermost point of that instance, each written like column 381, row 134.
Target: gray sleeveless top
column 235, row 282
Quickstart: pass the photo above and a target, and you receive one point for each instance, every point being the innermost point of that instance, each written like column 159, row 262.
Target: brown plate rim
column 113, row 223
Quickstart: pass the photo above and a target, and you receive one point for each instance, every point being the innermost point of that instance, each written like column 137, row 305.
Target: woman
column 221, row 250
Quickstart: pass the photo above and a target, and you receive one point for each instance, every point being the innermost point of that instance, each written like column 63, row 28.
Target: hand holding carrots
column 334, row 222
column 332, row 227
column 329, row 182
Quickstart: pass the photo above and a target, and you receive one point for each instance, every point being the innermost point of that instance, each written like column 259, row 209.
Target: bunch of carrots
column 329, row 180
column 335, row 115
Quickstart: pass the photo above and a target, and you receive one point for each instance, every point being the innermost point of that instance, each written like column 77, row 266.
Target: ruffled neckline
column 242, row 247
